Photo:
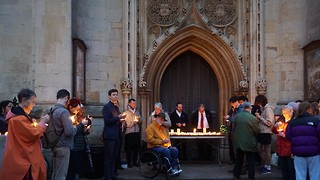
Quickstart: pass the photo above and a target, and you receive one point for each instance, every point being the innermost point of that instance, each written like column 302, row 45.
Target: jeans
column 250, row 157
column 304, row 164
column 111, row 152
column 60, row 159
column 287, row 167
column 171, row 153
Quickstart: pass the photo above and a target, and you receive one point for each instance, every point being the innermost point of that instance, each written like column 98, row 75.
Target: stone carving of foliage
column 163, row 12
column 261, row 86
column 220, row 12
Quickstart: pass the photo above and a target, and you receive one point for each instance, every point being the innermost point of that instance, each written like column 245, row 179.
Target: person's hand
column 45, row 118
column 257, row 116
column 166, row 141
column 184, row 124
column 226, row 117
column 122, row 117
column 178, row 124
column 85, row 121
column 278, row 124
column 282, row 134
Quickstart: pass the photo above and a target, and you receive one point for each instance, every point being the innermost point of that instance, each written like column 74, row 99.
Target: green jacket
column 246, row 131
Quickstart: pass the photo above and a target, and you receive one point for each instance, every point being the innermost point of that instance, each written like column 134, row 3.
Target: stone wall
column 99, row 25
column 285, row 29
column 35, row 47
column 312, row 21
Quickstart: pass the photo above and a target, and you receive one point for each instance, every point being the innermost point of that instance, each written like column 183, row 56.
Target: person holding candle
column 266, row 122
column 304, row 133
column 78, row 157
column 202, row 119
column 5, row 107
column 23, row 158
column 158, row 139
column 132, row 133
column 63, row 126
column 179, row 119
column 112, row 134
column 283, row 144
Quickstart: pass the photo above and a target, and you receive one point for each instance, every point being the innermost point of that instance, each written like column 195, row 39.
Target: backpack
column 50, row 137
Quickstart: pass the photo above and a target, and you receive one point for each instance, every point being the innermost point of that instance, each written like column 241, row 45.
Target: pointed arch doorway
column 189, row 79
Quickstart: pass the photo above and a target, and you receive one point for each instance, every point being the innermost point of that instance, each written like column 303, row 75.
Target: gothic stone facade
column 253, row 46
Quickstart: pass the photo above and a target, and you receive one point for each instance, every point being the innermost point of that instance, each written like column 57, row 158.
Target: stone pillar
column 145, row 109
column 126, row 88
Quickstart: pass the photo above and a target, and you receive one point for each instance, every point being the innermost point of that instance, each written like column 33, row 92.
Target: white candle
column 178, row 130
column 172, row 131
column 204, row 130
column 194, row 130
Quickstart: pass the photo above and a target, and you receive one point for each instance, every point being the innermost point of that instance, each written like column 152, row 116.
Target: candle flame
column 72, row 118
column 35, row 123
column 6, row 133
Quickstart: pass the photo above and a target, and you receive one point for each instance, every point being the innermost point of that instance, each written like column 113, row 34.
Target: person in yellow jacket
column 158, row 139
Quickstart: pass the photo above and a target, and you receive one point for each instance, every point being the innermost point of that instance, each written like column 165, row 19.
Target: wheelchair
column 151, row 163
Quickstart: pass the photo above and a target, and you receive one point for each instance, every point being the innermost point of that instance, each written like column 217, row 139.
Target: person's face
column 235, row 104
column 7, row 108
column 287, row 114
column 201, row 109
column 133, row 104
column 157, row 110
column 114, row 97
column 160, row 120
column 241, row 102
column 75, row 110
column 179, row 107
column 27, row 104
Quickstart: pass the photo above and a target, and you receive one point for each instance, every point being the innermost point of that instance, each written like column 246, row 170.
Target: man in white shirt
column 202, row 118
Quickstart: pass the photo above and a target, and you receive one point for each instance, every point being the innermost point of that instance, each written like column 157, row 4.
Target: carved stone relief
column 165, row 17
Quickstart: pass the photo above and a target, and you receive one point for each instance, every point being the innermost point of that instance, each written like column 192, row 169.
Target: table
column 214, row 137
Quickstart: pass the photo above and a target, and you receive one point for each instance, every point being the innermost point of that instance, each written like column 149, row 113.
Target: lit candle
column 178, row 130
column 6, row 133
column 172, row 131
column 194, row 130
column 204, row 130
column 136, row 119
column 72, row 119
column 35, row 123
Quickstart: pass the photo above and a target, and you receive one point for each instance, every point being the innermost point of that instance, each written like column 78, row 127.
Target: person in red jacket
column 284, row 145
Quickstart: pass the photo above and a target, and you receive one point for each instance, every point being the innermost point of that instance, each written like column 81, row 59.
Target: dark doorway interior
column 190, row 80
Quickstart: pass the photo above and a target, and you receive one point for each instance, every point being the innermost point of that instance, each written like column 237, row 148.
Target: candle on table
column 194, row 130
column 204, row 130
column 172, row 131
column 178, row 130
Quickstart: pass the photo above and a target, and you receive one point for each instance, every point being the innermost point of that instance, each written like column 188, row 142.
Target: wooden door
column 189, row 79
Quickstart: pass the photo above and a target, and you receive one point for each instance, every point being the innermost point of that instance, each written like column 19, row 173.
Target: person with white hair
column 157, row 110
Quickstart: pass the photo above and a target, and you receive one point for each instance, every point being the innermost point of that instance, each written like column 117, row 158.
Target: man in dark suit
column 179, row 119
column 111, row 134
column 202, row 118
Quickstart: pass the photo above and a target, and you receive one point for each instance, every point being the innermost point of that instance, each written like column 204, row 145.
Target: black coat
column 174, row 117
column 111, row 120
column 195, row 117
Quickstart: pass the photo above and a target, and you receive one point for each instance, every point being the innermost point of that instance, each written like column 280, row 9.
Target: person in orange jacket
column 23, row 158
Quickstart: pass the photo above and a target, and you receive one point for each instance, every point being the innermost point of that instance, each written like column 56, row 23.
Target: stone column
column 126, row 88
column 145, row 109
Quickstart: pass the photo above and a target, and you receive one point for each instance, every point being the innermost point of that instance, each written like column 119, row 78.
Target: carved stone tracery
column 220, row 12
column 163, row 12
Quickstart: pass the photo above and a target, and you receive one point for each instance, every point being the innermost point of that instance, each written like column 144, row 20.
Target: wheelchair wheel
column 149, row 164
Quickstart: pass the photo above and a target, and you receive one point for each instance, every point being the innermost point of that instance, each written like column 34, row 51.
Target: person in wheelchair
column 158, row 139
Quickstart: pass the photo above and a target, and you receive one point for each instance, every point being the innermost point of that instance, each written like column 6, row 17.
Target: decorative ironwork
column 220, row 12
column 163, row 12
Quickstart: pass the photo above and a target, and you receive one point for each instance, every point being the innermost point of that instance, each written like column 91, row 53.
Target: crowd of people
column 298, row 138
column 250, row 130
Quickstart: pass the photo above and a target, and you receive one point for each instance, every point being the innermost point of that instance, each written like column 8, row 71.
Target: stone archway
column 210, row 47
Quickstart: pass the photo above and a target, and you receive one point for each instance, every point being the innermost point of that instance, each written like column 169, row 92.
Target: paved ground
column 201, row 171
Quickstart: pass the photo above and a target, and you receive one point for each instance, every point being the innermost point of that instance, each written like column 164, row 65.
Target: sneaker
column 178, row 171
column 265, row 171
column 172, row 172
